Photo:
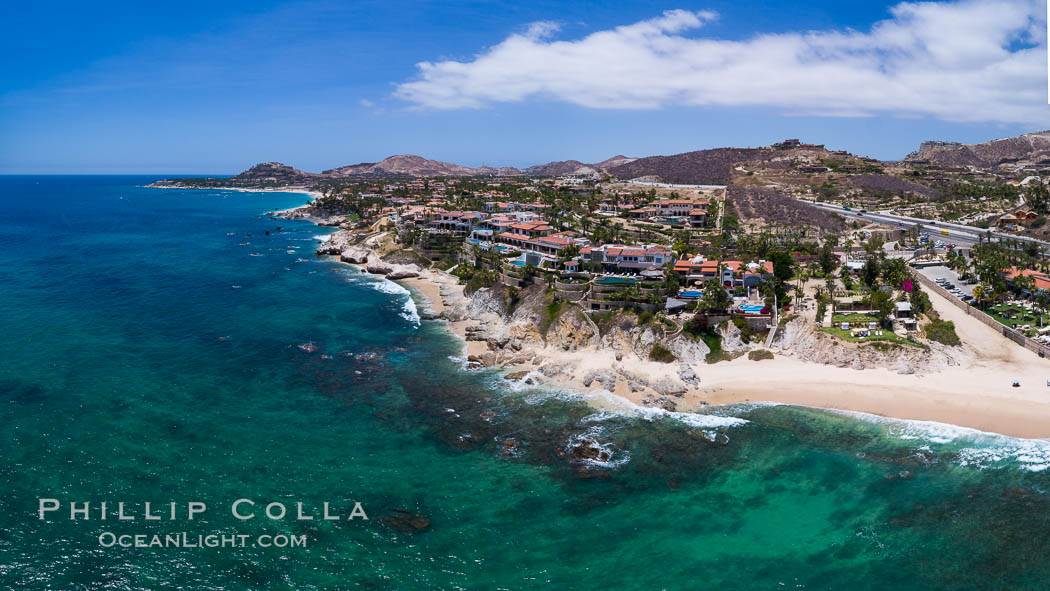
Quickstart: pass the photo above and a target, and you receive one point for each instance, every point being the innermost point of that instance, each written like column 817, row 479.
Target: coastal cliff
column 651, row 364
column 800, row 339
column 540, row 340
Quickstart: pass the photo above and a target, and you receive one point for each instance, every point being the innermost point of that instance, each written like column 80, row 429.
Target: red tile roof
column 559, row 241
column 1041, row 280
column 513, row 236
column 532, row 226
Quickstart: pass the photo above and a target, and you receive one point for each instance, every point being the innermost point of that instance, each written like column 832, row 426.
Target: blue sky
column 212, row 88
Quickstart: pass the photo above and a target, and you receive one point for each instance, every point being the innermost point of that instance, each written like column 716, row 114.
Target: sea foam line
column 975, row 448
column 592, row 437
column 621, row 406
column 409, row 311
column 611, row 405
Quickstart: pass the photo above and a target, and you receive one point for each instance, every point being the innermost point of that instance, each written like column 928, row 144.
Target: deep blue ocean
column 179, row 346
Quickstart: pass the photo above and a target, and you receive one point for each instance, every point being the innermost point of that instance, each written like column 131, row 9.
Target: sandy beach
column 437, row 288
column 313, row 194
column 979, row 395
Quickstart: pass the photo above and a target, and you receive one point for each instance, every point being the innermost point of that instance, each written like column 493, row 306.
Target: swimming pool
column 690, row 294
column 751, row 309
column 616, row 281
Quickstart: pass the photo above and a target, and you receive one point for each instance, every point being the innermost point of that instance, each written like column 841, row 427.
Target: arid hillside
column 1030, row 147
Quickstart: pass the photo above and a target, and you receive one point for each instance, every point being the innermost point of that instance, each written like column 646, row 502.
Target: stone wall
column 1013, row 335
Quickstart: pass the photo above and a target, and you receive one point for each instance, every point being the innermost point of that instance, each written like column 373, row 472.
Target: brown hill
column 891, row 184
column 564, row 167
column 759, row 205
column 559, row 168
column 617, row 160
column 412, row 165
column 704, row 167
column 1030, row 147
column 274, row 172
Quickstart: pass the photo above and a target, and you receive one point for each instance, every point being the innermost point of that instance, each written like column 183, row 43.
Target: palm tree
column 980, row 293
column 1024, row 283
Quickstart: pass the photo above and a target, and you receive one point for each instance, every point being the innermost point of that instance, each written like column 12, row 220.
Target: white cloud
column 973, row 60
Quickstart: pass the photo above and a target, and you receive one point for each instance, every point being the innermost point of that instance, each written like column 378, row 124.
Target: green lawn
column 888, row 336
column 837, row 318
column 1022, row 317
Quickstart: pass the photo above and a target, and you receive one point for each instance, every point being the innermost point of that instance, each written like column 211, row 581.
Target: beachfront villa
column 618, row 258
column 458, row 222
column 730, row 273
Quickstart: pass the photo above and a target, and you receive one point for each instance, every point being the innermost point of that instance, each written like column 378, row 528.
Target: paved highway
column 958, row 234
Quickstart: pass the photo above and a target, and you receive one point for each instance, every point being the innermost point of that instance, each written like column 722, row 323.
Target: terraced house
column 627, row 259
column 457, row 222
column 730, row 273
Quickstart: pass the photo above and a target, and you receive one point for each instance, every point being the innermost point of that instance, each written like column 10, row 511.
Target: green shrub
column 550, row 313
column 943, row 331
column 712, row 339
column 759, row 355
column 746, row 333
column 446, row 263
column 513, row 298
column 484, row 278
column 475, row 278
column 661, row 353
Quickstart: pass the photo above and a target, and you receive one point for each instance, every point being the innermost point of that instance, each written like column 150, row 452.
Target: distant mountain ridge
column 1031, row 147
column 417, row 166
column 566, row 167
column 718, row 166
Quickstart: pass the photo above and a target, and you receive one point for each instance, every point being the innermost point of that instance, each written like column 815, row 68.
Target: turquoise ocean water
column 150, row 351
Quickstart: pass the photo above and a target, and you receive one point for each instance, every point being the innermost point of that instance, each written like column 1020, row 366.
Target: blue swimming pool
column 690, row 294
column 751, row 309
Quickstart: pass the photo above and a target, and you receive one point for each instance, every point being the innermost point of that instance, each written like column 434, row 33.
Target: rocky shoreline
column 611, row 369
column 573, row 356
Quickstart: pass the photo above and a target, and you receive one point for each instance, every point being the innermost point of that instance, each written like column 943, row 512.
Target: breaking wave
column 972, row 447
column 409, row 311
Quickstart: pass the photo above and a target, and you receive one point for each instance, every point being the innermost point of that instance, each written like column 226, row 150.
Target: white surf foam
column 408, row 311
column 618, row 404
column 592, row 437
column 974, row 448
